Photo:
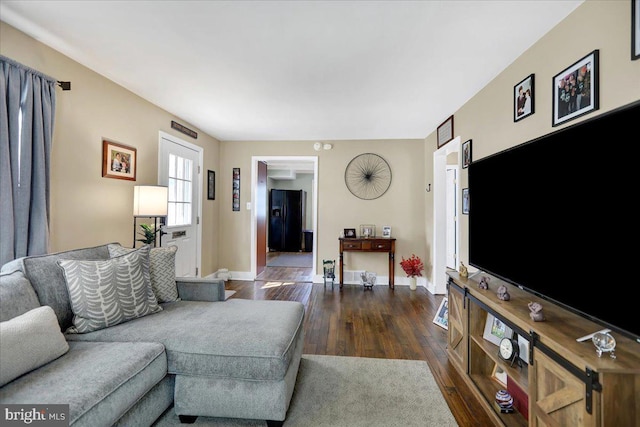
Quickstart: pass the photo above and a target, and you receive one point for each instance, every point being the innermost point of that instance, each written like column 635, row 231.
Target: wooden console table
column 369, row 244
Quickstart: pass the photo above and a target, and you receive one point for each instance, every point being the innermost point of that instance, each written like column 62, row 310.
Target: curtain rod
column 63, row 85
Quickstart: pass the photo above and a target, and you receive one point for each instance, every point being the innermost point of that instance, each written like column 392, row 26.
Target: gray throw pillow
column 29, row 341
column 105, row 293
column 162, row 269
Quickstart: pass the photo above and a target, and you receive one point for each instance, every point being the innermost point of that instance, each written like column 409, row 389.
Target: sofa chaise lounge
column 209, row 357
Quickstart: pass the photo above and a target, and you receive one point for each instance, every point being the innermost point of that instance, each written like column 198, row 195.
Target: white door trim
column 254, row 219
column 439, row 257
column 163, row 135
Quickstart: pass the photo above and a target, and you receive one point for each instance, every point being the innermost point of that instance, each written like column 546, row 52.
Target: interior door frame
column 254, row 219
column 439, row 255
column 198, row 183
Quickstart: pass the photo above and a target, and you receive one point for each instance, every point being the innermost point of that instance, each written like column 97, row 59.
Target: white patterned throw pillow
column 162, row 269
column 105, row 293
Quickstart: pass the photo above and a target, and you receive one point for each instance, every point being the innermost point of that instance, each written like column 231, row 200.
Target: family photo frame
column 576, row 89
column 466, row 154
column 211, row 185
column 495, row 329
column 349, row 233
column 635, row 29
column 118, row 161
column 465, row 201
column 523, row 98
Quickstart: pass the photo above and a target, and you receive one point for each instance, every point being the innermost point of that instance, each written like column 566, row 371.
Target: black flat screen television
column 556, row 216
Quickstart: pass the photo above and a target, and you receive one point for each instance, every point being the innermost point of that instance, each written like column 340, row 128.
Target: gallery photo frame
column 466, row 154
column 118, row 161
column 576, row 89
column 495, row 329
column 635, row 29
column 523, row 98
column 465, row 201
column 211, row 185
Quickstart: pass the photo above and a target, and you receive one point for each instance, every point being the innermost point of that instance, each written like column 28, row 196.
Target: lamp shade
column 150, row 200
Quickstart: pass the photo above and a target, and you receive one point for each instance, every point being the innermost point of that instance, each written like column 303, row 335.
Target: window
column 180, row 194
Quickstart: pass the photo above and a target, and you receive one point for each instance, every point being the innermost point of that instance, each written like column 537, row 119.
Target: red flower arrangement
column 412, row 266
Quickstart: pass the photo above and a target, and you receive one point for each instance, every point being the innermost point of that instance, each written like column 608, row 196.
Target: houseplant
column 413, row 267
column 149, row 233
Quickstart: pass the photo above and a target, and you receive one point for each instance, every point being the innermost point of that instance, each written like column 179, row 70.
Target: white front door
column 179, row 169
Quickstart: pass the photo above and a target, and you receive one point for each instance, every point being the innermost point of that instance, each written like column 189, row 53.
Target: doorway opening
column 445, row 244
column 292, row 173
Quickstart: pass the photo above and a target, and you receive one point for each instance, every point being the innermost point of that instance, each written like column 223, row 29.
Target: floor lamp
column 150, row 201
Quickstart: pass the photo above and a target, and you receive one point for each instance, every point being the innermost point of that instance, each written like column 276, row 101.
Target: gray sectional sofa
column 127, row 364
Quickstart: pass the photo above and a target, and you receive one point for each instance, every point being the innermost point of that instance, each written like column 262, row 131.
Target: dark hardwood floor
column 380, row 323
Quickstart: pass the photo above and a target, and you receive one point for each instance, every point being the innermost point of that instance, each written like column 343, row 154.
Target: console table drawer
column 381, row 246
column 352, row 245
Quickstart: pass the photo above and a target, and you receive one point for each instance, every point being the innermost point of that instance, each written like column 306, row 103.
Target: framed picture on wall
column 635, row 29
column 445, row 132
column 211, row 185
column 575, row 89
column 466, row 154
column 118, row 161
column 465, row 201
column 236, row 190
column 523, row 105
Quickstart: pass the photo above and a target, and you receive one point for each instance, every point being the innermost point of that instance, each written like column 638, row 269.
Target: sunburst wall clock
column 368, row 176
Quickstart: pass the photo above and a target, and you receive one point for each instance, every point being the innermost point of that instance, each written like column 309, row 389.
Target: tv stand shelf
column 564, row 383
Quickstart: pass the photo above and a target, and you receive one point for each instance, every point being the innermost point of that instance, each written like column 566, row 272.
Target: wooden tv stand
column 565, row 383
column 369, row 244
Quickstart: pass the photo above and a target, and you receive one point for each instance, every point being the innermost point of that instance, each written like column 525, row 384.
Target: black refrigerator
column 286, row 220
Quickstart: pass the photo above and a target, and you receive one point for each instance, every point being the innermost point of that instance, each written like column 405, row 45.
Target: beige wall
column 87, row 209
column 487, row 118
column 401, row 207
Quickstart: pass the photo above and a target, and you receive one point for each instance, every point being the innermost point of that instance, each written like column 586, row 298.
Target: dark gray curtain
column 24, row 159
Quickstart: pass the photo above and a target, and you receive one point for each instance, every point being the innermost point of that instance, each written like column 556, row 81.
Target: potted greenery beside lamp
column 413, row 267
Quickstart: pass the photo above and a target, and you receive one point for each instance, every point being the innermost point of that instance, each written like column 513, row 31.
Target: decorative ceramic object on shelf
column 503, row 293
column 605, row 343
column 536, row 313
column 484, row 283
column 463, row 270
column 504, row 401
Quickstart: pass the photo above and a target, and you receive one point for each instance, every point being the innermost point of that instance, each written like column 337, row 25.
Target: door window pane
column 180, row 185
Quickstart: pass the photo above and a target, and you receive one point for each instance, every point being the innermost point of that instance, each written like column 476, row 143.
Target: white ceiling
column 295, row 70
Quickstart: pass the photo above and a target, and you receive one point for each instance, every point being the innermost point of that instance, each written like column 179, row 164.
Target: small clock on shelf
column 509, row 351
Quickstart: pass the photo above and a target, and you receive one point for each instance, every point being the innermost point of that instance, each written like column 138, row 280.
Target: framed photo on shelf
column 465, row 201
column 576, row 89
column 466, row 154
column 211, row 185
column 635, row 29
column 495, row 329
column 499, row 375
column 445, row 132
column 523, row 101
column 350, row 233
column 442, row 315
column 386, row 231
column 118, row 161
column 367, row 230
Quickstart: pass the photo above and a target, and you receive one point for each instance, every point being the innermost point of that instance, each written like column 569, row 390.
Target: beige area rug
column 340, row 391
